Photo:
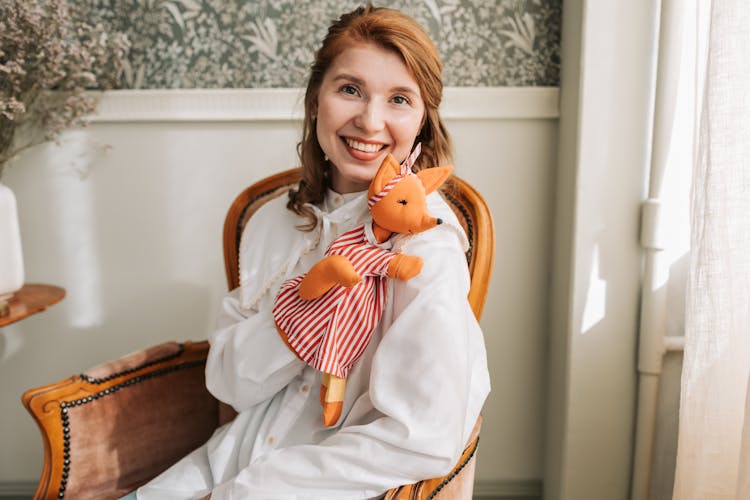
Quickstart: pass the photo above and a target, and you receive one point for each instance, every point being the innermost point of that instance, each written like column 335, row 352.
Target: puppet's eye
column 403, row 202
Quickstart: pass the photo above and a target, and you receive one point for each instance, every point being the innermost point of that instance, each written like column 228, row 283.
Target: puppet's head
column 398, row 198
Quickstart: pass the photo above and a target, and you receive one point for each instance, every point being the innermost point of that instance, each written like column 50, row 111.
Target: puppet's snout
column 428, row 222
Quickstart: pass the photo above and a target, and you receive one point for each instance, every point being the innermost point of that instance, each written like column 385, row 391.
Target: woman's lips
column 363, row 150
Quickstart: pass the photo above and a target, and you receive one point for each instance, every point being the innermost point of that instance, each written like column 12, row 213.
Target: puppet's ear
column 387, row 171
column 432, row 178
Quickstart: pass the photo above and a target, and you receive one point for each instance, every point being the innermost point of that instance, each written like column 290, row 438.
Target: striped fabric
column 331, row 332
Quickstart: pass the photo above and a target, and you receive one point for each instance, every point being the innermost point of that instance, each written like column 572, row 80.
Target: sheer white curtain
column 713, row 455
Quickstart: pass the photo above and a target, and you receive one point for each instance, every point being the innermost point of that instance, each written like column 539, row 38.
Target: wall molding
column 518, row 489
column 285, row 104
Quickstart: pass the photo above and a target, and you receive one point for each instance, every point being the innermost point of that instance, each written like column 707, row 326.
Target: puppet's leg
column 332, row 398
column 331, row 270
column 404, row 267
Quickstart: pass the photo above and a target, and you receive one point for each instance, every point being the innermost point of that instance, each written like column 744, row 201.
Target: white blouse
column 411, row 400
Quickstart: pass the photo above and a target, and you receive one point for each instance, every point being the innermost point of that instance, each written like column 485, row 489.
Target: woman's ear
column 314, row 110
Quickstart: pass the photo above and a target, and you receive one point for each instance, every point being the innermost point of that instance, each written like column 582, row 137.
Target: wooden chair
column 118, row 425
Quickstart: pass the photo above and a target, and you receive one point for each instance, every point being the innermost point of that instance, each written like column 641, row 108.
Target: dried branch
column 48, row 59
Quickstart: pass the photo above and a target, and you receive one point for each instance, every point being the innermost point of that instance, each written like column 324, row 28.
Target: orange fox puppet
column 327, row 315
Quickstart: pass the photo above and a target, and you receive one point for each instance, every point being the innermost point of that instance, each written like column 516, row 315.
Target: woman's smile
column 362, row 149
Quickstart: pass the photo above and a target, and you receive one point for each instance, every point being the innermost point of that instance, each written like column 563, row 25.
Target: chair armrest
column 458, row 484
column 120, row 424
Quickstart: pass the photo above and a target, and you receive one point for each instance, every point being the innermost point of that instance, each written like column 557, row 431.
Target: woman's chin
column 352, row 182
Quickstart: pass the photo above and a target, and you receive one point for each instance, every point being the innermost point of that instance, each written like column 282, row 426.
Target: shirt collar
column 334, row 201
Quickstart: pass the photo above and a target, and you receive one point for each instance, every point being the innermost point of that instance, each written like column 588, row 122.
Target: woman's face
column 369, row 105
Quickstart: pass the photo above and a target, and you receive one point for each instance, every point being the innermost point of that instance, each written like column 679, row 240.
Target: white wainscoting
column 127, row 214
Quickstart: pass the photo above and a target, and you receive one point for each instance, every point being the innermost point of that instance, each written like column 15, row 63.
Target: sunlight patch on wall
column 72, row 207
column 596, row 296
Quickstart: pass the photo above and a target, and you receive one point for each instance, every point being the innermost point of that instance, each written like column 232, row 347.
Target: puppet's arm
column 330, row 271
column 404, row 267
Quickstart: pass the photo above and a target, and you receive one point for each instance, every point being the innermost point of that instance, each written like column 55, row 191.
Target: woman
column 414, row 395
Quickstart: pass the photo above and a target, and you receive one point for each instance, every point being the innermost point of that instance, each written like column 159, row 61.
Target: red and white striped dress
column 332, row 331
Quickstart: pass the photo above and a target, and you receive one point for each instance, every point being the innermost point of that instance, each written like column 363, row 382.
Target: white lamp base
column 11, row 257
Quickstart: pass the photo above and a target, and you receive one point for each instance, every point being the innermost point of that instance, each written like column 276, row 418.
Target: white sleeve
column 247, row 362
column 420, row 391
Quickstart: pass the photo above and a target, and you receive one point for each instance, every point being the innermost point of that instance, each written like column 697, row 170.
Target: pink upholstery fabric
column 121, row 440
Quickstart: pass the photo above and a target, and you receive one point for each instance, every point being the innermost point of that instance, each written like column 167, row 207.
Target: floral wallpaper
column 270, row 43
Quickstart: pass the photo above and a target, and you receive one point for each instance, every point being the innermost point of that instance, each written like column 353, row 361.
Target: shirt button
column 305, row 388
column 271, row 439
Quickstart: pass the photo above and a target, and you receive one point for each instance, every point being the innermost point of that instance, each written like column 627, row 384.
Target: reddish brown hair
column 391, row 30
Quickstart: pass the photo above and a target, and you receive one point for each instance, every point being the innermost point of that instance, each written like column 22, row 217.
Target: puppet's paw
column 349, row 280
column 405, row 267
column 345, row 274
column 310, row 289
column 332, row 270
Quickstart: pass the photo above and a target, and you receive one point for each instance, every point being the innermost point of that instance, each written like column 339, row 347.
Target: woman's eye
column 399, row 99
column 349, row 89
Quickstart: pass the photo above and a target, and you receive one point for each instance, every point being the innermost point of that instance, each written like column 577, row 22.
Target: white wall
column 127, row 216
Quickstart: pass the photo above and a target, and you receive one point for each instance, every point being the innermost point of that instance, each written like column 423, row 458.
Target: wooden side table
column 31, row 299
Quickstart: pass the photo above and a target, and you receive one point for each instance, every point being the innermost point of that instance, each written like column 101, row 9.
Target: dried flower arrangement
column 49, row 59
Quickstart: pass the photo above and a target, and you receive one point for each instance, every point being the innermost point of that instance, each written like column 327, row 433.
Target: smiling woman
column 383, row 40
column 369, row 106
column 414, row 393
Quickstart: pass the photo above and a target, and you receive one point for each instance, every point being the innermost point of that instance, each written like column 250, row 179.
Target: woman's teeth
column 361, row 146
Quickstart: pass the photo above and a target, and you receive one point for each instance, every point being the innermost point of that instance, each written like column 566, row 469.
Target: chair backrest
column 468, row 205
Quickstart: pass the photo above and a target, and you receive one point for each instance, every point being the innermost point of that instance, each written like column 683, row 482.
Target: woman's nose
column 371, row 117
